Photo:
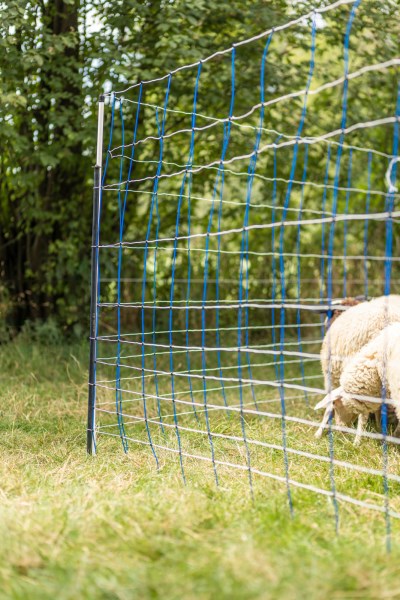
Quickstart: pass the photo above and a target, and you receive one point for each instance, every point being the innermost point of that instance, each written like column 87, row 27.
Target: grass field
column 111, row 526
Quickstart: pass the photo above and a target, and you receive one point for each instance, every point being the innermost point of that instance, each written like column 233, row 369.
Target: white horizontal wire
column 208, row 329
column 265, row 129
column 212, row 305
column 235, row 438
column 244, row 348
column 309, row 141
column 263, row 301
column 206, row 370
column 279, row 478
column 250, row 383
column 241, row 43
column 140, row 395
column 267, row 382
column 260, row 36
column 203, row 306
column 234, row 118
column 183, row 351
column 314, row 391
column 252, row 302
column 299, row 255
column 391, row 187
column 168, row 397
column 230, row 202
column 253, row 280
column 373, row 399
column 155, row 354
column 209, row 370
column 248, row 411
column 370, row 192
column 382, row 216
column 316, row 308
column 293, row 278
column 259, row 402
column 306, row 357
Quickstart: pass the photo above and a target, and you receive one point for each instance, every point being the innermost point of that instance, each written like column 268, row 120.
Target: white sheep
column 373, row 373
column 352, row 330
column 347, row 335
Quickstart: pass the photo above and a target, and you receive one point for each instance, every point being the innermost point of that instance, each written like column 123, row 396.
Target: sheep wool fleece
column 375, row 366
column 353, row 330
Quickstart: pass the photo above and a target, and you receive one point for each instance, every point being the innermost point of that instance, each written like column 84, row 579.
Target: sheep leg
column 324, row 421
column 396, row 432
column 378, row 417
column 361, row 423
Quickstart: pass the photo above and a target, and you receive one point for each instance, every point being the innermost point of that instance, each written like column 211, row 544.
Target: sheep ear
column 329, row 399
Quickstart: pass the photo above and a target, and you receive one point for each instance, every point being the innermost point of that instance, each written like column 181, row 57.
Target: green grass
column 111, row 526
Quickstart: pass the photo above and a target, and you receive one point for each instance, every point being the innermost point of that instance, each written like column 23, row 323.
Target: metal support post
column 91, row 423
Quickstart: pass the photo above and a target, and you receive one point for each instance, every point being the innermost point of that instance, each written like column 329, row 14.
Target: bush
column 42, row 332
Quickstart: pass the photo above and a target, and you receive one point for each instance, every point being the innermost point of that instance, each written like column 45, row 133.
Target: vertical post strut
column 91, row 423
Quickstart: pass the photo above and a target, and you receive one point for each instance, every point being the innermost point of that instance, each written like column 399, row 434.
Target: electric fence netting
column 239, row 198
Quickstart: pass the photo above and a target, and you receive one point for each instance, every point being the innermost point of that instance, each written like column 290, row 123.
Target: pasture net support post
column 91, row 423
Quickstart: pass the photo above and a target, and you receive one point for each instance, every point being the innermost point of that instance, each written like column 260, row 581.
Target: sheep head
column 333, row 403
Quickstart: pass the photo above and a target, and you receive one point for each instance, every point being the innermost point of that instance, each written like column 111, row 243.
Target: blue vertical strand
column 217, row 331
column 366, row 224
column 322, row 260
column 273, row 260
column 390, row 199
column 203, row 317
column 298, row 248
column 172, row 289
column 154, row 311
column 282, row 262
column 244, row 255
column 346, row 223
column 155, row 251
column 146, row 251
column 121, row 212
column 188, row 290
column 105, row 169
column 189, row 264
column 332, row 234
column 245, row 235
column 227, row 131
column 221, row 181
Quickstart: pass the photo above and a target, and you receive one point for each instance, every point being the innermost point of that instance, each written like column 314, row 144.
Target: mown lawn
column 111, row 526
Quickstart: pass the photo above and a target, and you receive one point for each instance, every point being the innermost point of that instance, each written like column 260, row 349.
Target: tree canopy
column 57, row 56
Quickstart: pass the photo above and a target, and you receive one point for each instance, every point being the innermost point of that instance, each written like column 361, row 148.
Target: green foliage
column 55, row 59
column 45, row 333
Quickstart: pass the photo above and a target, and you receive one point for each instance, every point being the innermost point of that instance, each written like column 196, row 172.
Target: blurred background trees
column 57, row 56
